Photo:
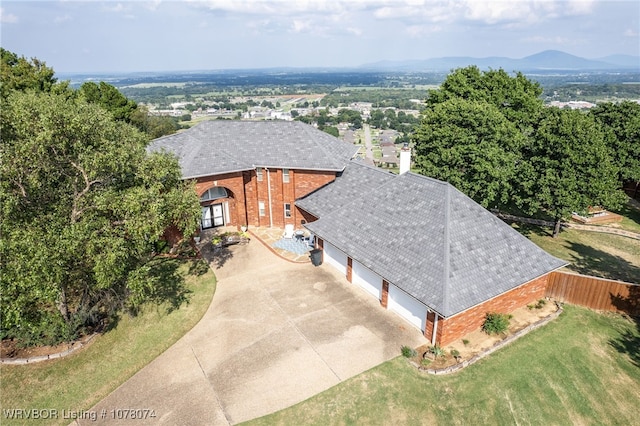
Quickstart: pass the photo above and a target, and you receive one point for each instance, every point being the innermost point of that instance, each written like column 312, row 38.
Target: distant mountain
column 544, row 61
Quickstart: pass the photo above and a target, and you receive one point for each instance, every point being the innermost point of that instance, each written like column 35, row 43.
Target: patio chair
column 288, row 231
column 311, row 241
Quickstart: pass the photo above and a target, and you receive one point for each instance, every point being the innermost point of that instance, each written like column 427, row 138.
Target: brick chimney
column 405, row 158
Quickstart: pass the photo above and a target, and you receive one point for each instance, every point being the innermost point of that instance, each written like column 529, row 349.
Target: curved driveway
column 275, row 334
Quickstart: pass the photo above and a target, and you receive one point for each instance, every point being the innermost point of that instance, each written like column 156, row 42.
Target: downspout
column 269, row 195
column 435, row 329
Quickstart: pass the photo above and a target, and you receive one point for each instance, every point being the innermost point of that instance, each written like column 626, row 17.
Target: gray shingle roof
column 222, row 146
column 356, row 179
column 432, row 241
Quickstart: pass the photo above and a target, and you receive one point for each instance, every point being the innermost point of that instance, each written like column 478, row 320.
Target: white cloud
column 7, row 18
column 118, row 7
column 62, row 19
column 490, row 12
column 580, row 7
column 152, row 5
column 631, row 33
column 417, row 31
column 300, row 26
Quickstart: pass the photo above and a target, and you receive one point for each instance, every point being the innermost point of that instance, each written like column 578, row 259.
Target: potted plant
column 243, row 228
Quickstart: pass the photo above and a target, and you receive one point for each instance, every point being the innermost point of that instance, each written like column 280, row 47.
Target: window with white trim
column 287, row 210
column 285, row 175
column 259, row 174
column 214, row 193
column 261, row 208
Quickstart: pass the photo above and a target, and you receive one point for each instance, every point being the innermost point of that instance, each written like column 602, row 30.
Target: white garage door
column 367, row 279
column 407, row 307
column 335, row 257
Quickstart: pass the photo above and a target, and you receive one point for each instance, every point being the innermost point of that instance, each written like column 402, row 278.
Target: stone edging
column 495, row 347
column 74, row 347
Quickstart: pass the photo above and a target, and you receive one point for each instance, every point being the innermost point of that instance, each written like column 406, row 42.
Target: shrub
column 465, row 342
column 408, row 352
column 496, row 323
column 436, row 351
column 455, row 353
column 539, row 305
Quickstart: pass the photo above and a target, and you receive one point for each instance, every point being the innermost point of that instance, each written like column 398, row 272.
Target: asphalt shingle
column 354, row 181
column 427, row 238
column 222, row 146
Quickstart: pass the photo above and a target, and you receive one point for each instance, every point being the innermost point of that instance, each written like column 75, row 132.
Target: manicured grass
column 630, row 218
column 591, row 253
column 582, row 368
column 81, row 380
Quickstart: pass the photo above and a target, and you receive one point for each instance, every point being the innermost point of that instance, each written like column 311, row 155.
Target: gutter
column 269, row 196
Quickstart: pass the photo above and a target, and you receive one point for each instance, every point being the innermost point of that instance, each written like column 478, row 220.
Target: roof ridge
column 447, row 249
column 429, row 178
column 325, row 151
column 361, row 163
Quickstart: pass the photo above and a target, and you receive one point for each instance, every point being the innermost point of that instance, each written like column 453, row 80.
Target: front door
column 212, row 216
column 217, row 215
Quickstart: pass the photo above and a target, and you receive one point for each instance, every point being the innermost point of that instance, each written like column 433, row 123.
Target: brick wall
column 384, row 297
column 234, row 184
column 454, row 328
column 246, row 192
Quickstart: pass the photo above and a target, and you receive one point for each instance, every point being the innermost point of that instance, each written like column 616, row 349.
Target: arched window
column 214, row 193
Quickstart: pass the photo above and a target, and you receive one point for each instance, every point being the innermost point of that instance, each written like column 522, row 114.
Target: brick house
column 251, row 172
column 420, row 246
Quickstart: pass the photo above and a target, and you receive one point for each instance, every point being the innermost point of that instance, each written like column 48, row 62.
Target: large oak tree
column 471, row 145
column 489, row 134
column 567, row 167
column 83, row 205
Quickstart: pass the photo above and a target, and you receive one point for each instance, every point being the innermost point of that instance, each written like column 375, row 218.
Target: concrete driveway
column 275, row 334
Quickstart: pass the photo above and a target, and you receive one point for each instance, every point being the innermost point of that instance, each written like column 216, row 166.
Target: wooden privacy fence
column 594, row 293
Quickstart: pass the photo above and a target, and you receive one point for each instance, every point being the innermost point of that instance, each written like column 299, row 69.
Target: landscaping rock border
column 495, row 347
column 74, row 347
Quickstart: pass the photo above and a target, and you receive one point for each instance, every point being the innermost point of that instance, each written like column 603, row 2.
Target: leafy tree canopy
column 471, row 145
column 488, row 134
column 622, row 123
column 108, row 97
column 83, row 206
column 517, row 97
column 567, row 167
column 18, row 73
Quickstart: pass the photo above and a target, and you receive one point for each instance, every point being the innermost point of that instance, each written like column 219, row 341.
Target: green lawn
column 630, row 218
column 81, row 380
column 582, row 368
column 591, row 253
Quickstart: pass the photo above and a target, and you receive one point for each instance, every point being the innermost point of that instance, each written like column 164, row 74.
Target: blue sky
column 126, row 36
